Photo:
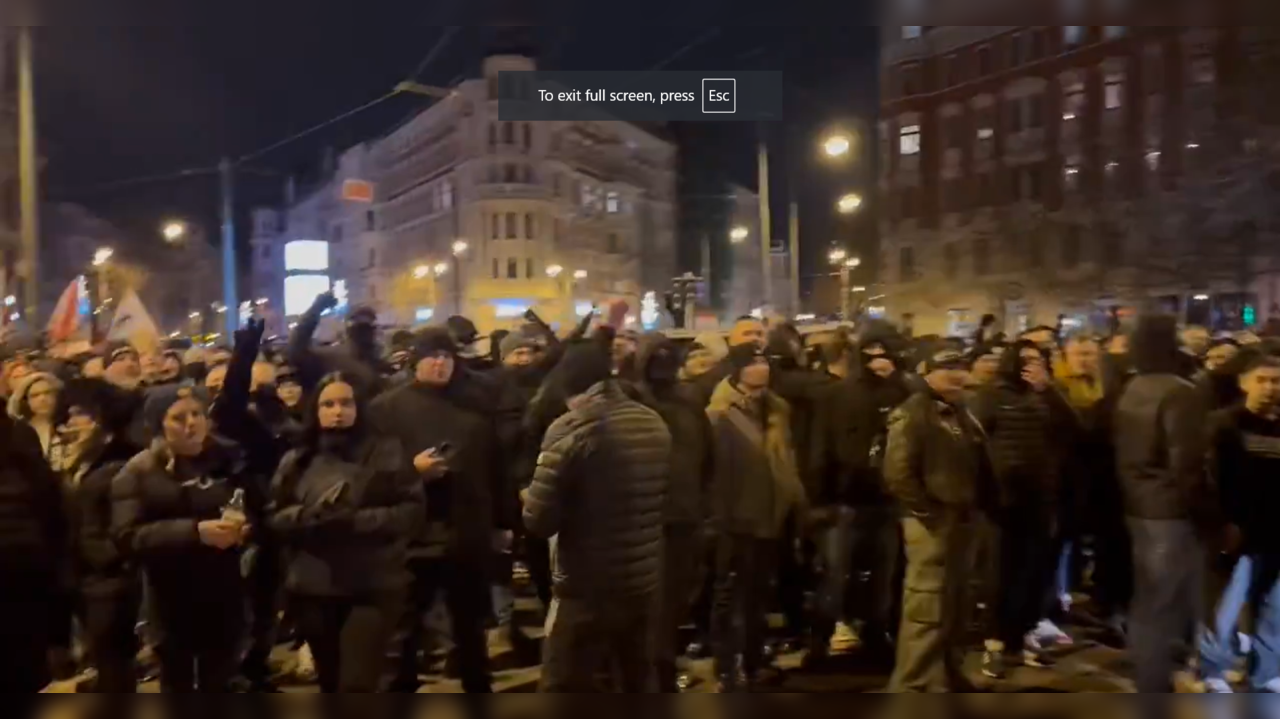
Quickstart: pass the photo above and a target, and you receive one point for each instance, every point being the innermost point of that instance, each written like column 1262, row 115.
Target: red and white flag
column 66, row 315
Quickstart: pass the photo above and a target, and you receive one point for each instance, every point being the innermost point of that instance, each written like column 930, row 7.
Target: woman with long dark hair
column 346, row 503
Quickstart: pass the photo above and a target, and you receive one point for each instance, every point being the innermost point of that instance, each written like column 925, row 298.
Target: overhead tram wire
column 435, row 50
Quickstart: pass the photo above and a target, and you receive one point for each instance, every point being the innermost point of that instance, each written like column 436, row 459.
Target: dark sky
column 124, row 102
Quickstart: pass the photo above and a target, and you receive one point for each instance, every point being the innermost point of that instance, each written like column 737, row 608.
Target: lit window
column 909, row 140
column 911, row 32
column 1072, row 35
column 1073, row 102
column 1071, row 177
column 1115, row 91
column 1112, row 167
column 513, row 269
column 986, row 133
column 1153, row 160
column 510, row 309
column 613, row 203
column 446, row 195
column 1114, row 32
column 1203, row 71
column 424, row 314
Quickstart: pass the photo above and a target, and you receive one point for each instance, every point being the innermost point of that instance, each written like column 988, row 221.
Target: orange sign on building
column 357, row 191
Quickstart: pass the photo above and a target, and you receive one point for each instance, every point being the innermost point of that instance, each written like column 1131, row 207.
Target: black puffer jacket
column 33, row 529
column 1019, row 423
column 1160, row 433
column 98, row 564
column 601, row 485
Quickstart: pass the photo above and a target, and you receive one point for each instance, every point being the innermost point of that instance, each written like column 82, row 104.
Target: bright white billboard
column 300, row 292
column 306, row 256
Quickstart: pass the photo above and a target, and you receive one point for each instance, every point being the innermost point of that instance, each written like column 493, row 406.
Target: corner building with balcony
column 1033, row 172
column 475, row 216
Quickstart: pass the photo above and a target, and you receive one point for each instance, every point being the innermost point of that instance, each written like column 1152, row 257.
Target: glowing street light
column 10, row 301
column 837, row 256
column 837, row 145
column 460, row 248
column 441, row 268
column 739, row 234
column 554, row 271
column 421, row 272
column 850, row 203
column 580, row 275
column 174, row 230
column 853, row 263
column 103, row 256
column 194, row 316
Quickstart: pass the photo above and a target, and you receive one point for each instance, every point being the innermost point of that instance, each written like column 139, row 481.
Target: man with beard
column 442, row 421
column 866, row 520
column 358, row 358
column 1160, row 452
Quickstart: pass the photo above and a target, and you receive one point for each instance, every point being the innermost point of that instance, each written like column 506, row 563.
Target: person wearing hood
column 181, row 512
column 109, row 591
column 1161, row 448
column 169, row 369
column 866, row 520
column 756, row 488
column 692, row 466
column 1019, row 414
column 936, row 467
column 444, row 424
column 600, row 487
column 34, row 401
column 346, row 503
column 358, row 357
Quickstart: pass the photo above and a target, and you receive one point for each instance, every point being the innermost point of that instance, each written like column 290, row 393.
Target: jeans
column 1168, row 561
column 744, row 574
column 683, row 550
column 1027, row 565
column 1252, row 581
column 835, row 547
column 866, row 538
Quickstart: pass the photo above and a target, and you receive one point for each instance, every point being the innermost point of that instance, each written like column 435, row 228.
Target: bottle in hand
column 235, row 510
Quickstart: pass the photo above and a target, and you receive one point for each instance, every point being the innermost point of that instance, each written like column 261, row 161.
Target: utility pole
column 766, row 223
column 29, row 199
column 794, row 256
column 230, row 296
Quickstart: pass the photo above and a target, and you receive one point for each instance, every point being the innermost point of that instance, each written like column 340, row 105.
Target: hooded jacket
column 364, row 366
column 757, row 483
column 33, row 528
column 601, row 485
column 1160, row 432
column 692, row 459
column 807, row 394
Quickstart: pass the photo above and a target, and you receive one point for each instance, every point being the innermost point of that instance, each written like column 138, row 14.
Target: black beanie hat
column 433, row 341
column 584, row 366
column 160, row 399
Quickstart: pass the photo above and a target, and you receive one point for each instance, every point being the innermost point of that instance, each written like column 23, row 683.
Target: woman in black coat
column 345, row 504
column 175, row 515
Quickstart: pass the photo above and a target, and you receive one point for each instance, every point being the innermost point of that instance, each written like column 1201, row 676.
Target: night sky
column 118, row 103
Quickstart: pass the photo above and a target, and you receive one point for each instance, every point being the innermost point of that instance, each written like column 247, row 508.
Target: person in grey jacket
column 345, row 504
column 600, row 486
column 1161, row 457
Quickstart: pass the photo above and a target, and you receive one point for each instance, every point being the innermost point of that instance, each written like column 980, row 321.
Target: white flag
column 133, row 324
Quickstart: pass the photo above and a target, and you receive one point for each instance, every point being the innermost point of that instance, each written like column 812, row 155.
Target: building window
column 911, row 32
column 1029, row 185
column 528, row 269
column 1153, row 160
column 555, row 185
column 1071, row 177
column 509, row 174
column 1071, row 247
column 528, row 136
column 986, row 134
column 495, row 268
column 1153, row 71
column 984, row 195
column 909, row 140
column 910, row 76
column 1036, row 43
column 984, row 61
column 1035, row 253
column 615, row 245
column 529, row 229
column 1034, row 107
column 950, row 261
column 512, row 229
column 1072, row 35
column 981, row 256
column 508, row 133
column 955, row 132
column 370, row 221
column 497, row 227
column 446, row 195
column 907, row 263
column 1114, row 32
column 909, row 197
column 513, row 269
column 1073, row 101
column 1016, row 50
column 493, row 135
column 1115, row 91
column 526, row 174
column 373, row 257
column 1203, row 70
column 951, row 71
column 613, row 203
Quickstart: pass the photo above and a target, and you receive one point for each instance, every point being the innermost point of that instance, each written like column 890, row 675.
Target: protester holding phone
column 346, row 503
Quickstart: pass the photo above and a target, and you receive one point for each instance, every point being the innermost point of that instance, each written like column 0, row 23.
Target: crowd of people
column 909, row 499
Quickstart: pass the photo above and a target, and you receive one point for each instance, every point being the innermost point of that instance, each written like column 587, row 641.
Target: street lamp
column 554, row 271
column 837, row 145
column 580, row 275
column 850, row 203
column 441, row 269
column 853, row 263
column 837, row 256
column 421, row 272
column 174, row 230
column 103, row 256
column 460, row 248
column 739, row 234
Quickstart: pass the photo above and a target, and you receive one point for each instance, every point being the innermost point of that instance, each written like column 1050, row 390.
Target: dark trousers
column 264, row 607
column 739, row 623
column 1026, row 564
column 538, row 559
column 793, row 563
column 24, row 636
column 466, row 594
column 1168, row 560
column 110, row 622
column 934, row 610
column 681, row 565
column 205, row 671
column 585, row 635
column 349, row 638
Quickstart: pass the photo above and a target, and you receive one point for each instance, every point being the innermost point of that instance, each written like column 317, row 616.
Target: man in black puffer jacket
column 1020, row 413
column 866, row 522
column 600, row 486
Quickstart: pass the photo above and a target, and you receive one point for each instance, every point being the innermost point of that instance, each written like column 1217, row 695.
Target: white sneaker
column 1066, row 600
column 306, row 670
column 1246, row 644
column 844, row 638
column 1273, row 686
column 1048, row 632
column 1217, row 686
